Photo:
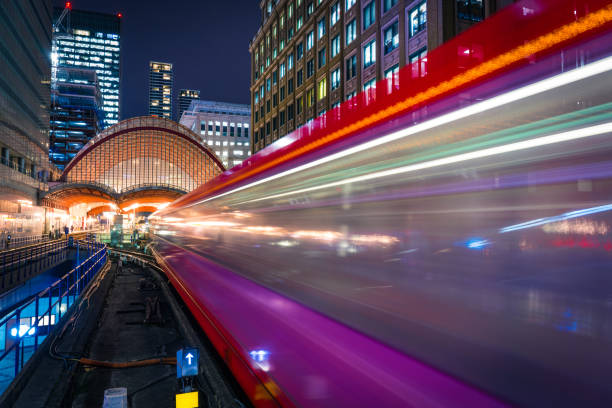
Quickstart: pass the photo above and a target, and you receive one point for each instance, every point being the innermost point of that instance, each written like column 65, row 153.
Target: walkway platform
column 132, row 315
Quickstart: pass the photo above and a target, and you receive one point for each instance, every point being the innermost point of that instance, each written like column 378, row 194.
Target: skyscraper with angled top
column 92, row 40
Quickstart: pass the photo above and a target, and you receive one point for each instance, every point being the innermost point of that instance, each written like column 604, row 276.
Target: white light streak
column 478, row 154
column 578, row 74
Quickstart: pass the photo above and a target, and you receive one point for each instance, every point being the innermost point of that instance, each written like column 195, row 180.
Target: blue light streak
column 556, row 218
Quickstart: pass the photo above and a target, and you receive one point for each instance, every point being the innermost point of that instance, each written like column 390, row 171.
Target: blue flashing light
column 259, row 355
column 477, row 243
column 556, row 218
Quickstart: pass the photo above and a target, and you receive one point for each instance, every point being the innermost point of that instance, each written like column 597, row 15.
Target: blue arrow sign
column 187, row 362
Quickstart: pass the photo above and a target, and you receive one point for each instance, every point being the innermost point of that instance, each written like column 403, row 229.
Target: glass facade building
column 224, row 128
column 161, row 78
column 25, row 71
column 76, row 114
column 184, row 100
column 94, row 42
column 25, row 39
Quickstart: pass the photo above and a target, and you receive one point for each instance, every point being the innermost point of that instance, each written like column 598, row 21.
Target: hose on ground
column 128, row 364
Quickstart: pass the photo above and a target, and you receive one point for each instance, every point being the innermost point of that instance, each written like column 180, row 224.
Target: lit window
column 309, row 9
column 418, row 61
column 369, row 54
column 351, row 31
column 371, row 84
column 290, row 11
column 335, row 79
column 369, row 14
column 299, row 50
column 282, row 70
column 309, row 40
column 323, row 88
column 391, row 38
column 310, row 97
column 349, row 3
column 335, row 46
column 290, row 61
column 387, row 4
column 300, row 22
column 418, row 19
column 334, row 14
column 321, row 28
column 391, row 75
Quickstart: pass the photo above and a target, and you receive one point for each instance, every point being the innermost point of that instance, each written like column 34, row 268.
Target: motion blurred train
column 442, row 240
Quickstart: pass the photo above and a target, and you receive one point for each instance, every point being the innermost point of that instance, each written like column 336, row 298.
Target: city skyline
column 194, row 44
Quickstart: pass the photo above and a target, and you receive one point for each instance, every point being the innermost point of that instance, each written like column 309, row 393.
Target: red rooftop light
column 69, row 5
column 119, row 15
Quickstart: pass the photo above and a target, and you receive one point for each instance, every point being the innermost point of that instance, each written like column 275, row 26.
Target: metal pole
column 36, row 324
column 17, row 317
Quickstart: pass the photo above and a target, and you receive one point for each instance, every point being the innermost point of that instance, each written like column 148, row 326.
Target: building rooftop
column 223, row 108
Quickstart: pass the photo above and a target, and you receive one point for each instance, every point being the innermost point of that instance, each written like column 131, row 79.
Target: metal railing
column 23, row 258
column 17, row 242
column 10, row 173
column 25, row 328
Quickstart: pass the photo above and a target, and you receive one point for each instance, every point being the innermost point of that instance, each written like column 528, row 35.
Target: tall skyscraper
column 76, row 114
column 184, row 100
column 93, row 41
column 25, row 38
column 161, row 78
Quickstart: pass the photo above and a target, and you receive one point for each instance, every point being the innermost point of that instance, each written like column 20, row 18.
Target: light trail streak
column 566, row 78
column 478, row 154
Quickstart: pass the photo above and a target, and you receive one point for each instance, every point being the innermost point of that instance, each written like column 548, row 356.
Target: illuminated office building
column 184, row 100
column 76, row 114
column 94, row 42
column 224, row 127
column 311, row 55
column 25, row 71
column 160, row 89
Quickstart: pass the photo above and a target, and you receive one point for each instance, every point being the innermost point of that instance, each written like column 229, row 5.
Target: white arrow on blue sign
column 187, row 362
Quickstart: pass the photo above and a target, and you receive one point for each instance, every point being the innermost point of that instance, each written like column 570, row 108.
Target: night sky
column 206, row 40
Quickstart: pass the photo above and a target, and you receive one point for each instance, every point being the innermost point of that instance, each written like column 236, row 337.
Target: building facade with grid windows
column 185, row 97
column 161, row 78
column 311, row 55
column 224, row 128
column 93, row 42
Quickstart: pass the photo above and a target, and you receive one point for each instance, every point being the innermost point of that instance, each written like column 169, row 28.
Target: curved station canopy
column 137, row 164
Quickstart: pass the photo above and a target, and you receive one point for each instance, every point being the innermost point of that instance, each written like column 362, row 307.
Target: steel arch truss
column 144, row 151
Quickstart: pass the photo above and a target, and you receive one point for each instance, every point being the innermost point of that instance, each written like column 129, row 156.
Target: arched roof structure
column 136, row 158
